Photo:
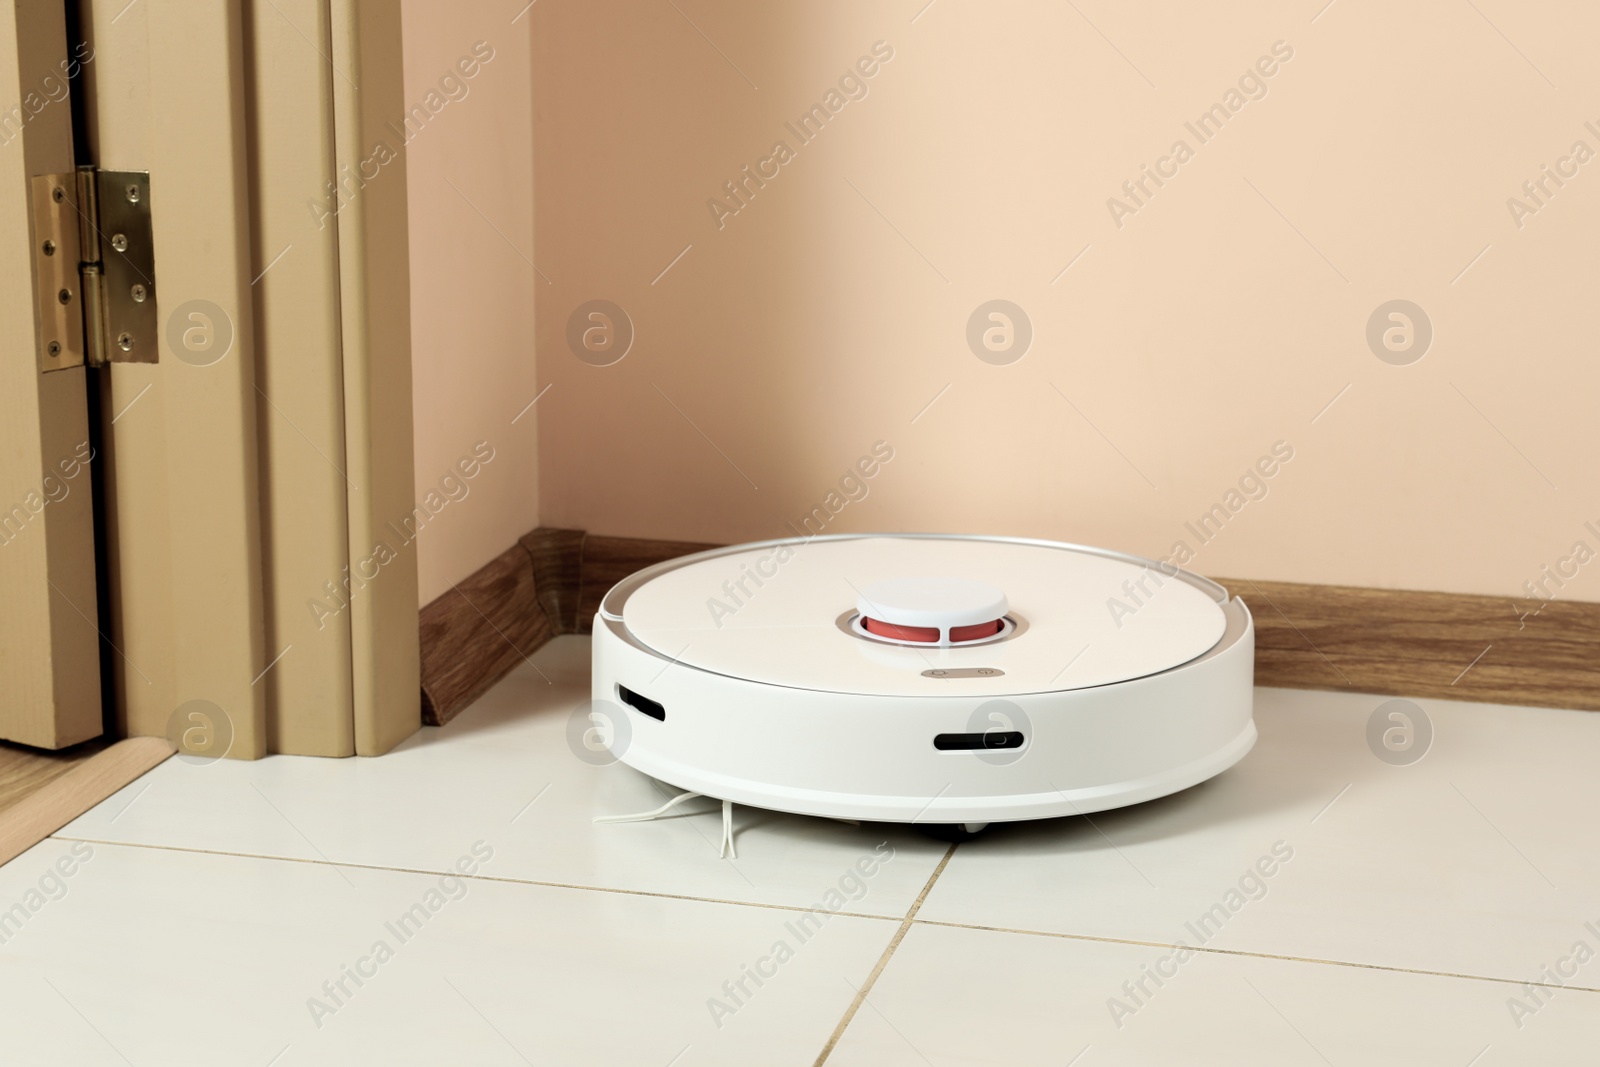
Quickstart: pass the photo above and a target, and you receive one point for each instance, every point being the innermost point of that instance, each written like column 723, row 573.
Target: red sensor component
column 929, row 635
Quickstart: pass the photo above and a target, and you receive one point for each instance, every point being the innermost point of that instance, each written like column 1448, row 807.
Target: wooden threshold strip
column 67, row 795
column 1393, row 641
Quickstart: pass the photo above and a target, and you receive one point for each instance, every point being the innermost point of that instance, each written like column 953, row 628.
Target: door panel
column 49, row 643
column 183, row 524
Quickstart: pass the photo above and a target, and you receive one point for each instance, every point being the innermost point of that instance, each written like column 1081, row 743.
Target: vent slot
column 969, row 742
column 646, row 706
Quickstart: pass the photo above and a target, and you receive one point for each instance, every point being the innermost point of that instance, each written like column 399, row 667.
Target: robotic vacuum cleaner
column 925, row 678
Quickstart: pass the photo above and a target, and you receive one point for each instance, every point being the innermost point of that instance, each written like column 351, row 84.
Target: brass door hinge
column 94, row 275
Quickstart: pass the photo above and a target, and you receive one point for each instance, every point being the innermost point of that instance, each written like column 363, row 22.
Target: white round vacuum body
column 925, row 678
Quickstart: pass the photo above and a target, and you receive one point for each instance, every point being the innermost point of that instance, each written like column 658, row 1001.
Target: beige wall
column 1220, row 318
column 470, row 174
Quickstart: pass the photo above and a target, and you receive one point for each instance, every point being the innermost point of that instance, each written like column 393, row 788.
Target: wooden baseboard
column 1392, row 641
column 1408, row 643
column 474, row 634
column 557, row 556
column 608, row 560
column 550, row 582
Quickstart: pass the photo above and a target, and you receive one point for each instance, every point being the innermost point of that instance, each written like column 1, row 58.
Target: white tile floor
column 254, row 913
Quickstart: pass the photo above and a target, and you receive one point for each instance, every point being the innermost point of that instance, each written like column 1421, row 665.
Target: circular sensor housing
column 934, row 611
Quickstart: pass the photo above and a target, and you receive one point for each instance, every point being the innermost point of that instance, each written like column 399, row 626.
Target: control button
column 964, row 672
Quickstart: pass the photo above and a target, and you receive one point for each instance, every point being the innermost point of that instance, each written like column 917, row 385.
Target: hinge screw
column 54, row 348
column 125, row 341
column 133, row 194
column 119, row 242
column 138, row 294
column 65, row 296
column 57, row 194
column 49, row 248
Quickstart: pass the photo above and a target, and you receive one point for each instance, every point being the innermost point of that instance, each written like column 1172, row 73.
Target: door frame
column 249, row 476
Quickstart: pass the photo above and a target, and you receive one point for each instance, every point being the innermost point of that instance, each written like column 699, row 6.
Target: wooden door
column 256, row 453
column 49, row 642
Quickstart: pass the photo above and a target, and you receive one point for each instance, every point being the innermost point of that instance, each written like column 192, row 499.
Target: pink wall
column 1211, row 323
column 470, row 176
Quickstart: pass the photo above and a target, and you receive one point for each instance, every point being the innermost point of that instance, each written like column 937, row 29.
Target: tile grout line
column 906, row 922
column 1245, row 952
column 883, row 960
column 501, row 879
